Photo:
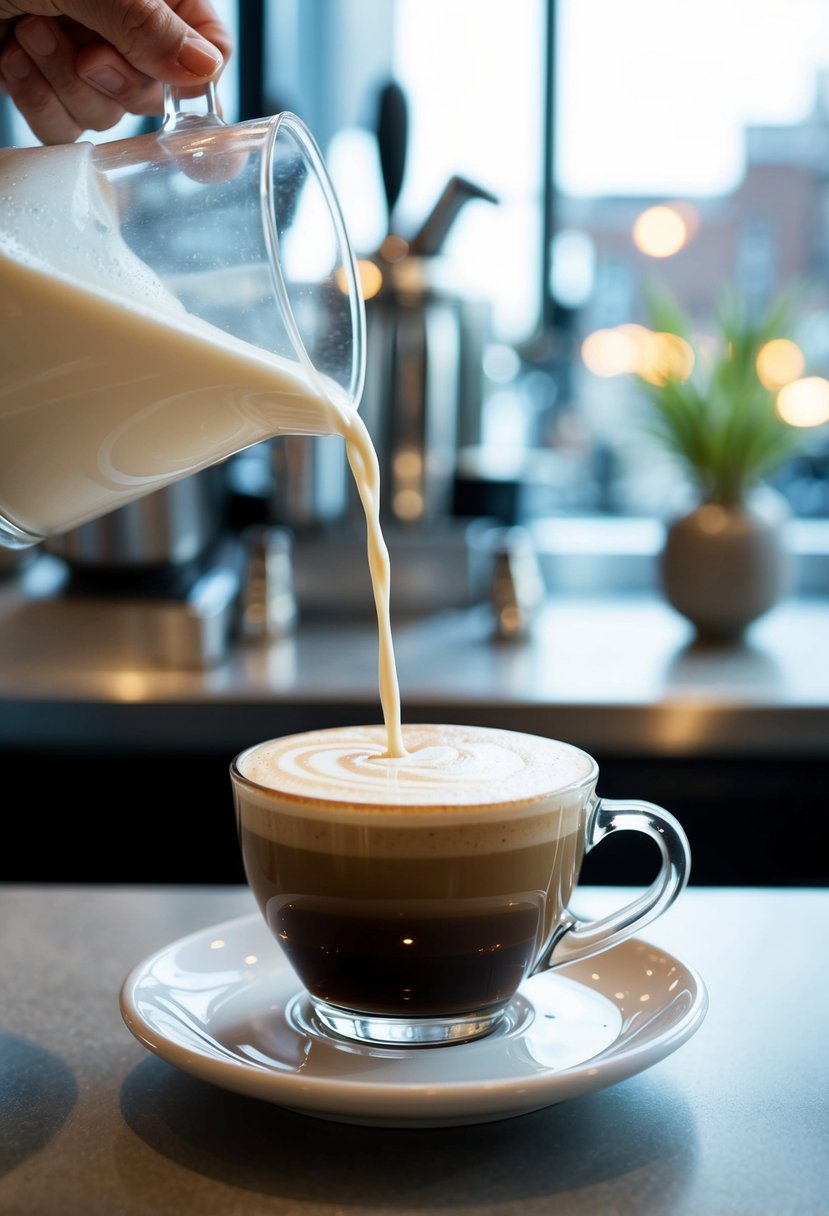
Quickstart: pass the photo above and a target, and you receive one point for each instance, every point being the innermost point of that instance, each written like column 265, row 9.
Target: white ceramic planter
column 723, row 567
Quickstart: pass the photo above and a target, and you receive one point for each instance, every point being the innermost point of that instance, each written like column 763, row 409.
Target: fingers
column 177, row 41
column 38, row 68
column 87, row 67
column 106, row 71
column 33, row 96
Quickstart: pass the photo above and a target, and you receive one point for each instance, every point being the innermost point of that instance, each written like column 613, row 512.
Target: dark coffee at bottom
column 422, row 961
column 417, row 887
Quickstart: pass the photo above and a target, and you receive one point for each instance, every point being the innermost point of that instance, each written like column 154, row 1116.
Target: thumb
column 155, row 38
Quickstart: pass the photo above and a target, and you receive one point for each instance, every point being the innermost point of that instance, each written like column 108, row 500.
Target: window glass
column 655, row 96
column 691, row 152
column 475, row 89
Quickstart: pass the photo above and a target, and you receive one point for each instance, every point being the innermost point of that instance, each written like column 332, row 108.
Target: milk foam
column 57, row 218
column 448, row 768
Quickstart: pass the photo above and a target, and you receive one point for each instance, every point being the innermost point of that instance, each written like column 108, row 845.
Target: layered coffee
column 416, row 885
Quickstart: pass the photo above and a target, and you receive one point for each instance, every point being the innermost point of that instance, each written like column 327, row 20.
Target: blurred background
column 580, row 149
column 513, row 179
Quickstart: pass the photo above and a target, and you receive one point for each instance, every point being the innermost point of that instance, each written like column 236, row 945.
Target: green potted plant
column 725, row 562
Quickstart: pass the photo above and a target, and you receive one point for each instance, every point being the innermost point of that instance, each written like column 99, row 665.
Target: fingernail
column 199, row 57
column 37, row 36
column 107, row 79
column 17, row 64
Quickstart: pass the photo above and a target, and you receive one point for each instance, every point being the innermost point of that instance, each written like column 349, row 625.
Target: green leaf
column 721, row 422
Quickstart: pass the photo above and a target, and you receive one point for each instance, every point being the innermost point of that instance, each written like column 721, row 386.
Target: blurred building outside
column 586, row 417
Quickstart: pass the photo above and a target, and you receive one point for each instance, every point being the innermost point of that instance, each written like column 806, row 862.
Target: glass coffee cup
column 166, row 301
column 413, row 895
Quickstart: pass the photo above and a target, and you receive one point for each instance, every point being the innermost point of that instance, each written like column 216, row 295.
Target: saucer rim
column 454, row 1101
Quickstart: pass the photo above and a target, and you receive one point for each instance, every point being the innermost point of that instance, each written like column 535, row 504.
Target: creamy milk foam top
column 56, row 218
column 447, row 769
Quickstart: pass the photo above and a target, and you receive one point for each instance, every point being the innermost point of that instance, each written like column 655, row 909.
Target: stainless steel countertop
column 608, row 672
column 734, row 1121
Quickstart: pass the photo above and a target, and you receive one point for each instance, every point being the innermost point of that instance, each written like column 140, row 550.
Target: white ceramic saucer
column 224, row 1005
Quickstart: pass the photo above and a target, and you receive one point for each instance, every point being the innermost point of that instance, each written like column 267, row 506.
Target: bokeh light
column 779, row 362
column 635, row 350
column 663, row 358
column 660, row 231
column 609, row 352
column 371, row 277
column 804, row 402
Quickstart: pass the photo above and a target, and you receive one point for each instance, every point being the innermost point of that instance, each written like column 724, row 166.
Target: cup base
column 379, row 1031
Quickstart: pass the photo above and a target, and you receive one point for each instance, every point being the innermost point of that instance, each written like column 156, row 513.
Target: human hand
column 76, row 65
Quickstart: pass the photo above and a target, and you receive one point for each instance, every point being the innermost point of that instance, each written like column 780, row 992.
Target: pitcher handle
column 573, row 938
column 188, row 106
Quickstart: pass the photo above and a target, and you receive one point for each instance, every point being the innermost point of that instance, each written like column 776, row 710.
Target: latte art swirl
column 449, row 766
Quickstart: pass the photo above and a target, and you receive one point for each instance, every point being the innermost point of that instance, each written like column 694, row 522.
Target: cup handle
column 573, row 938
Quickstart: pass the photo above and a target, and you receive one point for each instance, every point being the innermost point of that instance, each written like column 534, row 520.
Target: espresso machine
column 160, row 575
column 421, row 404
column 424, row 378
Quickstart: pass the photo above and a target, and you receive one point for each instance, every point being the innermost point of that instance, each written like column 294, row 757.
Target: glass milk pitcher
column 165, row 302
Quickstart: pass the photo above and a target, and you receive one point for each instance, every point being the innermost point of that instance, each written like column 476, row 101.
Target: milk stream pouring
column 165, row 302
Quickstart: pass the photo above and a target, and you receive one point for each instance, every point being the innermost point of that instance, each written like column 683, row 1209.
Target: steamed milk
column 132, row 390
column 419, row 885
column 447, row 773
column 110, row 390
